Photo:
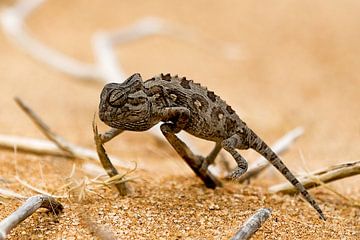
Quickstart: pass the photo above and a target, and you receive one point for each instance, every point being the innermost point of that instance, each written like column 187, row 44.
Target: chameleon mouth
column 105, row 112
column 102, row 115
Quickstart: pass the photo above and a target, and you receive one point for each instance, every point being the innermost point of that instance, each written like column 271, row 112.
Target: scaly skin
column 181, row 104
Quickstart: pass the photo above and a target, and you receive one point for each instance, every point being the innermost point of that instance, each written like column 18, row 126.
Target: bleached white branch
column 252, row 224
column 12, row 20
column 26, row 210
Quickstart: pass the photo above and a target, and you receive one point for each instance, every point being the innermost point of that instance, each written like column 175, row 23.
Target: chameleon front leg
column 179, row 117
column 229, row 145
column 110, row 134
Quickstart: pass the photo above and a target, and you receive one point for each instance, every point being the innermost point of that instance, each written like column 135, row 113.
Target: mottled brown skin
column 181, row 104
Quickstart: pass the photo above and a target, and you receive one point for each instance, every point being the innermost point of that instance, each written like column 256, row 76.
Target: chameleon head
column 125, row 105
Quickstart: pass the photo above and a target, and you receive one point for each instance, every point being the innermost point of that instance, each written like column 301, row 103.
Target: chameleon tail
column 262, row 148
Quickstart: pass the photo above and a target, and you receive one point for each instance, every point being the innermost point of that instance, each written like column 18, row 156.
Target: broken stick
column 27, row 209
column 252, row 224
column 121, row 186
column 59, row 141
column 315, row 179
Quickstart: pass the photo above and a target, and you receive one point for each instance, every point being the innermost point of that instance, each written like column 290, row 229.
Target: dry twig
column 27, row 209
column 59, row 141
column 252, row 224
column 121, row 186
column 315, row 179
column 44, row 147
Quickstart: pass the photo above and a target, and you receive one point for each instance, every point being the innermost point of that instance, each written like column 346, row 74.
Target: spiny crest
column 190, row 84
column 166, row 77
column 185, row 83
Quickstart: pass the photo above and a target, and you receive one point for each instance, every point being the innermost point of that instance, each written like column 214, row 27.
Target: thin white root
column 315, row 179
column 252, row 224
column 279, row 147
column 26, row 210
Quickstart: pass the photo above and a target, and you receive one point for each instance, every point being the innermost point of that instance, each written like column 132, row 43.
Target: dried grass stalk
column 37, row 190
column 252, row 224
column 315, row 179
column 122, row 186
column 26, row 210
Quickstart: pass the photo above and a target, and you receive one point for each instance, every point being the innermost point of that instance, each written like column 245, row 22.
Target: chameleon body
column 181, row 104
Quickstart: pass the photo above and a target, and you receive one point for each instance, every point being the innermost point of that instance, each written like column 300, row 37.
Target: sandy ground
column 298, row 66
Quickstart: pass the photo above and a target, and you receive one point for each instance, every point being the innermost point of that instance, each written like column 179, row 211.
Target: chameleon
column 182, row 104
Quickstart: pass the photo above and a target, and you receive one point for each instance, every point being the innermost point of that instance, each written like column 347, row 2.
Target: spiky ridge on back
column 212, row 118
column 194, row 86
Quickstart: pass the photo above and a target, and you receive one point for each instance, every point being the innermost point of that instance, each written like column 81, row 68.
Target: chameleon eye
column 117, row 98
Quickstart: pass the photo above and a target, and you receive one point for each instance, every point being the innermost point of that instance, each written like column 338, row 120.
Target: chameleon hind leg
column 230, row 145
column 178, row 118
column 195, row 162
